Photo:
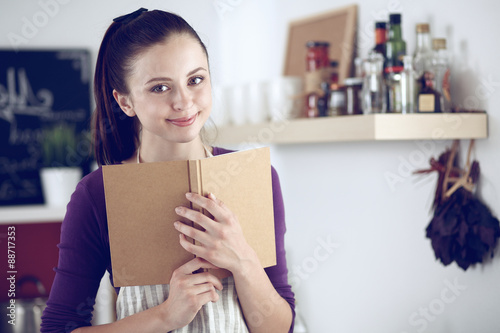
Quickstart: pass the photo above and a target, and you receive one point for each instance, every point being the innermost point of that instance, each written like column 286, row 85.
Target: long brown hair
column 115, row 135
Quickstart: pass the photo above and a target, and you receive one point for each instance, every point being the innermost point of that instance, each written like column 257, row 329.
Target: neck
column 171, row 151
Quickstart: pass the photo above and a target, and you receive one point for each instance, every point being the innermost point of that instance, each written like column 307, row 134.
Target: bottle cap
column 313, row 43
column 423, row 27
column 395, row 18
column 380, row 25
column 439, row 44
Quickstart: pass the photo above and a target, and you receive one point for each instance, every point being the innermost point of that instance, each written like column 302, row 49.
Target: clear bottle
column 373, row 91
column 393, row 82
column 440, row 62
column 422, row 58
column 408, row 87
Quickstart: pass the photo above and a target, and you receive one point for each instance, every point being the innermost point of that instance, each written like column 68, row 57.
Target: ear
column 125, row 103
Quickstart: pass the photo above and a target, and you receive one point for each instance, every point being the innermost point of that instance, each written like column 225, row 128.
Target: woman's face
column 170, row 91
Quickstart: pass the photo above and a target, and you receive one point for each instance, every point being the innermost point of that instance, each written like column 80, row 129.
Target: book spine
column 195, row 186
column 195, row 181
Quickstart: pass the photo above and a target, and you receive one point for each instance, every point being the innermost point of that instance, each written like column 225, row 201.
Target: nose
column 182, row 99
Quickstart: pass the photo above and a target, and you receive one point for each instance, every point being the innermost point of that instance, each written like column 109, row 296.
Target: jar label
column 313, row 80
column 426, row 103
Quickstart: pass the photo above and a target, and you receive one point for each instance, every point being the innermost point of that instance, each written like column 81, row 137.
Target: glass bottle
column 422, row 58
column 429, row 100
column 373, row 91
column 441, row 68
column 334, row 75
column 317, row 63
column 380, row 37
column 336, row 106
column 408, row 86
column 353, row 87
column 395, row 45
column 393, row 83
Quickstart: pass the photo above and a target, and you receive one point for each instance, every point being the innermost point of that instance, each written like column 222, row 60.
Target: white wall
column 381, row 273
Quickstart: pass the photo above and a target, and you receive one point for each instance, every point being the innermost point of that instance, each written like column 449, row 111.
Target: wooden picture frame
column 338, row 27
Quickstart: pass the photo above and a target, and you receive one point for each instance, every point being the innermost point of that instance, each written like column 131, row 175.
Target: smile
column 183, row 122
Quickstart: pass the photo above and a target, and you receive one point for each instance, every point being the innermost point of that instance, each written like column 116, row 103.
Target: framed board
column 338, row 27
column 39, row 88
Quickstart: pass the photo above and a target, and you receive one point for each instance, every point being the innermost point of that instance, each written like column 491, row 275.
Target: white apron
column 223, row 316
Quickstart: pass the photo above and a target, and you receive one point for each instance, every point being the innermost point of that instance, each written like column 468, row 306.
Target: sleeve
column 81, row 265
column 278, row 275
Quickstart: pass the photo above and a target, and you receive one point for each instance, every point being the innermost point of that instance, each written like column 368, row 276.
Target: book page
column 242, row 180
column 140, row 203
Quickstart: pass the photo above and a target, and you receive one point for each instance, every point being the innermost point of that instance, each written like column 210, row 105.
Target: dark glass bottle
column 380, row 38
column 395, row 45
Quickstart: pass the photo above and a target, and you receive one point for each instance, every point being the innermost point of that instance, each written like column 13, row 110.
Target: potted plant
column 60, row 173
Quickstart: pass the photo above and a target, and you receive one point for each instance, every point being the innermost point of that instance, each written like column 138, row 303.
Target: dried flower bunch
column 462, row 228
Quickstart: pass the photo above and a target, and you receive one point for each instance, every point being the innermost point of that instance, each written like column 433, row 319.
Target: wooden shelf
column 375, row 127
column 31, row 214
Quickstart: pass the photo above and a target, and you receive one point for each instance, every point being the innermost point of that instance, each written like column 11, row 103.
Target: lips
column 184, row 121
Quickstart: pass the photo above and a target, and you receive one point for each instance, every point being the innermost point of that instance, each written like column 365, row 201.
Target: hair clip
column 124, row 19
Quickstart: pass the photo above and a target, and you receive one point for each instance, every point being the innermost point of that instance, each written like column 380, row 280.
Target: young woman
column 153, row 96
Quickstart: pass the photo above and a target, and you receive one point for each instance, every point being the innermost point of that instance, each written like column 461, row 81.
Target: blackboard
column 38, row 89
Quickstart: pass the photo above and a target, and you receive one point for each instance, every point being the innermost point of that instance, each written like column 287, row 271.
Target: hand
column 222, row 243
column 189, row 292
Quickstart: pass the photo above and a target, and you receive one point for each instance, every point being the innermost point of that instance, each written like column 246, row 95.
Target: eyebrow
column 169, row 79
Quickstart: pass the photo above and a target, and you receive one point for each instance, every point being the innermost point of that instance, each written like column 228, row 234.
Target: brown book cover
column 140, row 203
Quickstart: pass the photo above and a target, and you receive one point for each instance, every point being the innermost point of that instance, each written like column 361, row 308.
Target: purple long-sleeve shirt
column 84, row 255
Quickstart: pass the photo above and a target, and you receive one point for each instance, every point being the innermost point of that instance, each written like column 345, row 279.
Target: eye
column 195, row 80
column 159, row 88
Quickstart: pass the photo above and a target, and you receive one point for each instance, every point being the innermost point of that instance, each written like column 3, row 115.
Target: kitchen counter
column 31, row 214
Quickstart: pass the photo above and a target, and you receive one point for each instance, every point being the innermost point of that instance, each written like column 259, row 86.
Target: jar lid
column 313, row 43
column 395, row 18
column 380, row 25
column 423, row 27
column 439, row 44
column 353, row 81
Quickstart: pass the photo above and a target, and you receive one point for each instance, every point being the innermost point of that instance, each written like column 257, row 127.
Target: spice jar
column 353, row 87
column 317, row 55
column 336, row 100
column 316, row 78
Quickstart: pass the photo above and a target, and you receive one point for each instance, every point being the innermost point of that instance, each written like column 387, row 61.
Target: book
column 140, row 203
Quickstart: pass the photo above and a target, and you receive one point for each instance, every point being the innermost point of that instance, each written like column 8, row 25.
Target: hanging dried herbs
column 462, row 228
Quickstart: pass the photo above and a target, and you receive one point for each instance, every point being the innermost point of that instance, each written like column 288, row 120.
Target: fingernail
column 212, row 196
column 176, row 225
column 178, row 209
column 189, row 195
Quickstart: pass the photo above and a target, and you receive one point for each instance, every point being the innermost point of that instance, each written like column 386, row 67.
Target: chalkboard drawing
column 40, row 90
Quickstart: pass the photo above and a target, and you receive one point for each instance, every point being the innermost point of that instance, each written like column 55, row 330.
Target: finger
column 204, row 281
column 195, row 216
column 209, row 296
column 191, row 232
column 201, row 288
column 213, row 205
column 198, row 250
column 195, row 264
column 209, row 278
